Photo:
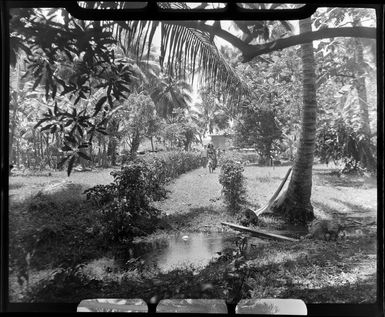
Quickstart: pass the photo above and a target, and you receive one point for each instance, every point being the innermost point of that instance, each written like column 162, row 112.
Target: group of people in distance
column 209, row 152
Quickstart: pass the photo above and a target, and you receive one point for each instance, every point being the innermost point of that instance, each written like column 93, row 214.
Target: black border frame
column 152, row 12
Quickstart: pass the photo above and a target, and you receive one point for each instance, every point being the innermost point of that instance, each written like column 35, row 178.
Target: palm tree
column 295, row 203
column 366, row 154
column 210, row 113
column 184, row 49
column 170, row 94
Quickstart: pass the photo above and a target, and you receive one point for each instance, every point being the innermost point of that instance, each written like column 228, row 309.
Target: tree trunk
column 14, row 114
column 18, row 153
column 104, row 153
column 366, row 155
column 295, row 206
column 152, row 143
column 134, row 144
column 35, row 149
column 111, row 151
column 91, row 155
column 186, row 145
column 41, row 152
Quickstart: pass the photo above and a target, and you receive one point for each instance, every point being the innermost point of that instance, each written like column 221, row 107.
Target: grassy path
column 196, row 189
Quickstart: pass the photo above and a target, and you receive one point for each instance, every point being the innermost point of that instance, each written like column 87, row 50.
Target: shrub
column 125, row 209
column 233, row 182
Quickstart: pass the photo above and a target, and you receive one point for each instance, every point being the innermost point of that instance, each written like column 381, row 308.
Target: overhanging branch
column 251, row 51
column 256, row 50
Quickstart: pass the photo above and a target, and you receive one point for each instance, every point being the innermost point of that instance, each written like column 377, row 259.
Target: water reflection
column 197, row 249
column 169, row 253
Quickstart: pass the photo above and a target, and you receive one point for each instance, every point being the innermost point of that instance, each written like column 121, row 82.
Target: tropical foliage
column 84, row 70
column 97, row 93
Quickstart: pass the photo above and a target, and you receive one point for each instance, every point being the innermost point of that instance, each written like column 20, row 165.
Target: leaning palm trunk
column 295, row 203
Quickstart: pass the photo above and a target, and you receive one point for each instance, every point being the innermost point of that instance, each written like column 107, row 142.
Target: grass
column 25, row 186
column 316, row 271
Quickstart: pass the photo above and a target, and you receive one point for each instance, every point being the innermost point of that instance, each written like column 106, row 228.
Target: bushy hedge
column 233, row 182
column 125, row 205
column 174, row 163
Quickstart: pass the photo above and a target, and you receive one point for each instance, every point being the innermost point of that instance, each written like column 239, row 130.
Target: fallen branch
column 259, row 233
column 266, row 208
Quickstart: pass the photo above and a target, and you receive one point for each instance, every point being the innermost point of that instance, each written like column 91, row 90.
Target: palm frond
column 182, row 49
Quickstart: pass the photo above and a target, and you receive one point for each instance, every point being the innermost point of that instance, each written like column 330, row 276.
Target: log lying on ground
column 266, row 208
column 259, row 233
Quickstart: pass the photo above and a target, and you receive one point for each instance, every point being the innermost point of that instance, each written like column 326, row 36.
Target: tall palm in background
column 212, row 113
column 169, row 94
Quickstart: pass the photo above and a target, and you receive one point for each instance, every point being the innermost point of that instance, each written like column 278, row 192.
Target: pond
column 195, row 249
column 175, row 251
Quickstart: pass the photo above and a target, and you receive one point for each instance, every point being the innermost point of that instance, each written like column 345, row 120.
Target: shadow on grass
column 360, row 292
column 331, row 177
column 57, row 231
column 347, row 216
column 353, row 207
column 320, row 264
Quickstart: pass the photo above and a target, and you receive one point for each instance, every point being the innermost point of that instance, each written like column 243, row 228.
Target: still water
column 196, row 249
column 175, row 251
column 191, row 249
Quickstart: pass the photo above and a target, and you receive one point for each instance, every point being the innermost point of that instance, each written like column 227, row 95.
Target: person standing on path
column 211, row 153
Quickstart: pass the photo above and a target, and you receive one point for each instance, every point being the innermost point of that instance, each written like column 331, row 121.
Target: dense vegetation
column 92, row 94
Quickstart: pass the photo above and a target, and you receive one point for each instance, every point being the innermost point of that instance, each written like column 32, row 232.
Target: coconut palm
column 183, row 50
column 295, row 204
column 169, row 94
